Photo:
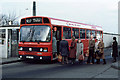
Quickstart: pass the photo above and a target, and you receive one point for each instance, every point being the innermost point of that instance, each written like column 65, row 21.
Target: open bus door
column 57, row 34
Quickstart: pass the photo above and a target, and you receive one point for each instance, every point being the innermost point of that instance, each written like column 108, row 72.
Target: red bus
column 36, row 34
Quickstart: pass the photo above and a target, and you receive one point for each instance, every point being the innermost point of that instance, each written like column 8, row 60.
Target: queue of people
column 96, row 51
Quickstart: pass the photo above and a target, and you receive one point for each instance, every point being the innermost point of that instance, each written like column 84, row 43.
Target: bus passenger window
column 75, row 32
column 88, row 34
column 82, row 33
column 94, row 34
column 101, row 34
column 67, row 33
column 98, row 35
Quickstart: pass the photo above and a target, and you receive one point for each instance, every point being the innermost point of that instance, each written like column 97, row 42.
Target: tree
column 5, row 19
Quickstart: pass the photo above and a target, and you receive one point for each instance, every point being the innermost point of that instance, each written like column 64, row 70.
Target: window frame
column 94, row 33
column 90, row 33
column 75, row 31
column 84, row 33
column 69, row 32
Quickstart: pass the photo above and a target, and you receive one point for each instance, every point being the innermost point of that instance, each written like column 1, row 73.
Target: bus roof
column 55, row 21
column 61, row 22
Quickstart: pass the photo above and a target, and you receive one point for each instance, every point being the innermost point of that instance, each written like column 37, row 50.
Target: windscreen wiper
column 38, row 41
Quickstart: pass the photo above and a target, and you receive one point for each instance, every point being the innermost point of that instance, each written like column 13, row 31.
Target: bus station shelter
column 9, row 36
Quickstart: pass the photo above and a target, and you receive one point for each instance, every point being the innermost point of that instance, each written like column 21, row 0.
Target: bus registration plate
column 30, row 57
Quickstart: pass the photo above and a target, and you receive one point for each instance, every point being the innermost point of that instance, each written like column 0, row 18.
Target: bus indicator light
column 45, row 50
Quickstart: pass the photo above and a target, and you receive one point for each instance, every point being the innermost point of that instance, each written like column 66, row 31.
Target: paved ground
column 10, row 60
column 31, row 69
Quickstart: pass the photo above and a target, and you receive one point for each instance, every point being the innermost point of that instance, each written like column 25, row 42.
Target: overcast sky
column 96, row 12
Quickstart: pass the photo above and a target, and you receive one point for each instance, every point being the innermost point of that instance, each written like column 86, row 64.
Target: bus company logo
column 36, row 19
column 93, row 27
column 72, row 24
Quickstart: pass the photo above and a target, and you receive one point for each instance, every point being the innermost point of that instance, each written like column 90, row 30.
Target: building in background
column 9, row 38
column 119, row 22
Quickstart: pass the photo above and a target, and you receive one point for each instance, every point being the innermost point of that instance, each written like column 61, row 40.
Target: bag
column 71, row 47
column 94, row 55
column 87, row 54
column 99, row 53
column 59, row 58
column 81, row 57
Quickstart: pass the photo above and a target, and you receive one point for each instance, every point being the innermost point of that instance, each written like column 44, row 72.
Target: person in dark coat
column 64, row 50
column 91, row 50
column 115, row 49
column 72, row 55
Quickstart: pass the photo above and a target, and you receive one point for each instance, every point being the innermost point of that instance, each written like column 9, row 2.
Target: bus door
column 57, row 34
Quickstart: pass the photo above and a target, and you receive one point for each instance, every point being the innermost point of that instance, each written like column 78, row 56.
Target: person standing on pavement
column 115, row 49
column 101, row 52
column 91, row 50
column 64, row 50
column 79, row 50
column 96, row 50
column 72, row 54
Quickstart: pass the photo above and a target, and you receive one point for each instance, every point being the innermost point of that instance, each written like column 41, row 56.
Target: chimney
column 34, row 8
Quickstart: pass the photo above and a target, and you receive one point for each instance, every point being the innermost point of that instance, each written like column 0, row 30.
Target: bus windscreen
column 39, row 33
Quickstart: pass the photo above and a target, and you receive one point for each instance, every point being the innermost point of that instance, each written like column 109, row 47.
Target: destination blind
column 34, row 20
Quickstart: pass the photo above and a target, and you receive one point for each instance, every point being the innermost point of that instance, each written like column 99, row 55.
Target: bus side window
column 101, row 34
column 82, row 33
column 98, row 34
column 94, row 34
column 67, row 33
column 88, row 34
column 75, row 32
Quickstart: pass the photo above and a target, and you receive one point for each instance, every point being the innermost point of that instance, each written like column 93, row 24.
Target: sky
column 95, row 12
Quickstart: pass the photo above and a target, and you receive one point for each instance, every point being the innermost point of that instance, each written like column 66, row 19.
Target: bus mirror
column 55, row 29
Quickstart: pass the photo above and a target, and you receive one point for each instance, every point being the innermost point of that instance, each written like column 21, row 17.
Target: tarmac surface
column 16, row 68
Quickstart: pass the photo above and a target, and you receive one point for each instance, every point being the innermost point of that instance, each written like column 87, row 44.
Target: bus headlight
column 30, row 49
column 41, row 49
column 20, row 48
